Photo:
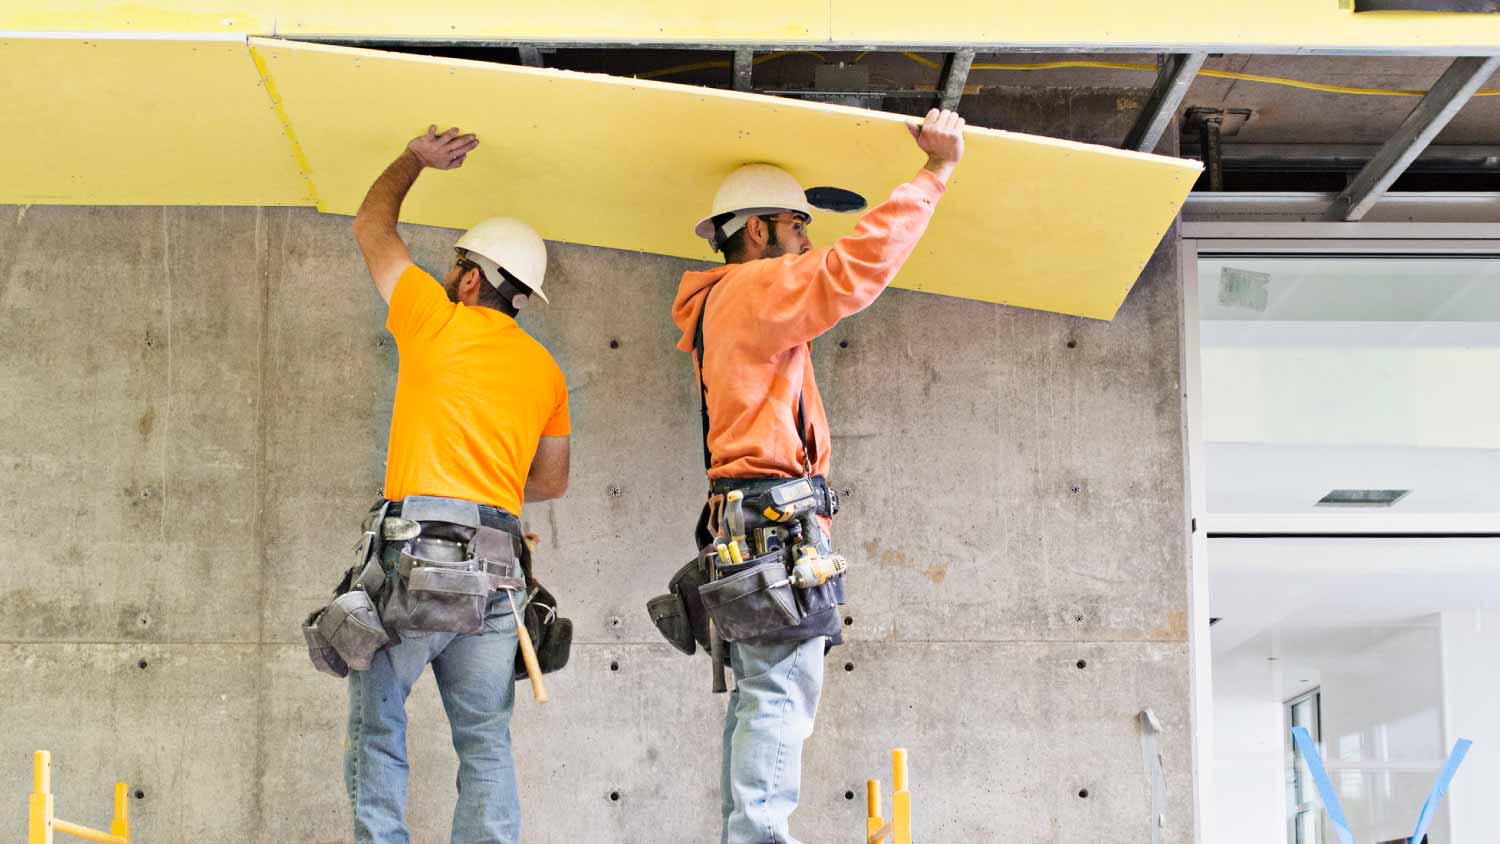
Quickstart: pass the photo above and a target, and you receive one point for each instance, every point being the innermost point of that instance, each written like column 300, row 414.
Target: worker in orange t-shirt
column 774, row 584
column 480, row 425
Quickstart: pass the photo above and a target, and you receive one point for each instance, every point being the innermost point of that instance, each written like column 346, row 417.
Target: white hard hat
column 509, row 243
column 753, row 189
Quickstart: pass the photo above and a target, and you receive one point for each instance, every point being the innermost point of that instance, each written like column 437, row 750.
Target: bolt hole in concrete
column 614, row 621
column 614, row 666
column 615, row 796
column 848, row 620
column 843, row 344
column 1082, row 664
column 1072, row 344
column 139, row 794
column 614, row 344
column 1083, row 793
column 142, row 664
column 848, row 666
column 848, row 795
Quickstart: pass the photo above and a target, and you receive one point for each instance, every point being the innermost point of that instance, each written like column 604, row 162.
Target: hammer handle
column 528, row 655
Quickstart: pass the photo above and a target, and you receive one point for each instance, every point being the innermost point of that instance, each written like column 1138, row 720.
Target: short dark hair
column 491, row 297
column 733, row 247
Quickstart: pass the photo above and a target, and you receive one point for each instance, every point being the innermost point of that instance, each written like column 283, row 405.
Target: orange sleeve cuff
column 929, row 184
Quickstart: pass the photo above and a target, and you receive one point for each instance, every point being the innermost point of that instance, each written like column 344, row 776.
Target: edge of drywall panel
column 629, row 82
column 269, row 85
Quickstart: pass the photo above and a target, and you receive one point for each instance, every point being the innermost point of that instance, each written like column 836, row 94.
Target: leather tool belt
column 752, row 600
column 422, row 564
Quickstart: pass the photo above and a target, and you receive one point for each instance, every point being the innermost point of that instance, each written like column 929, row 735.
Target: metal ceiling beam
column 1438, row 106
column 744, row 63
column 1172, row 83
column 955, row 76
column 1435, row 158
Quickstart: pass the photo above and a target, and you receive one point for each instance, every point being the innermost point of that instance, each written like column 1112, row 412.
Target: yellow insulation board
column 1281, row 25
column 140, row 123
column 604, row 161
column 621, row 20
column 1290, row 24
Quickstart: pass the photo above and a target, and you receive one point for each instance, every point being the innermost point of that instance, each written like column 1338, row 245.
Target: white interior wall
column 1249, row 764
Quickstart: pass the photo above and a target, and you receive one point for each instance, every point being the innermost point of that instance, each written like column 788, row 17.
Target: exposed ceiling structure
column 1281, row 95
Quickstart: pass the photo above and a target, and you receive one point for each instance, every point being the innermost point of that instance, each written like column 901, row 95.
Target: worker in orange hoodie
column 775, row 585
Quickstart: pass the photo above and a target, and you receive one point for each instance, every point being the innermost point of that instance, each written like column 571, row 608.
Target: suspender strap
column 801, row 423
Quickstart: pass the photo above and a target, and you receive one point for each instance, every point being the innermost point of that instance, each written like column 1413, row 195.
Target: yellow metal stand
column 42, row 824
column 898, row 830
column 900, row 799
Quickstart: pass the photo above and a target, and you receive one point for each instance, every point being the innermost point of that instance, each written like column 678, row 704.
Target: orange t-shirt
column 474, row 395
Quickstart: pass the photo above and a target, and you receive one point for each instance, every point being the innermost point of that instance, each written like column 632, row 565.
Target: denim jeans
column 770, row 715
column 476, row 679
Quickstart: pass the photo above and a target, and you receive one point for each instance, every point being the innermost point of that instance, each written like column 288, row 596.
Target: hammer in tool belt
column 528, row 651
column 731, row 522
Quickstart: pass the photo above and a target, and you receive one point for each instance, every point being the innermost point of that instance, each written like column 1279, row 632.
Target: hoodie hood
column 691, row 294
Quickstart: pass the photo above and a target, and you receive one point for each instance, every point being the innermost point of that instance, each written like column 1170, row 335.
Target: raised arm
column 375, row 224
column 815, row 290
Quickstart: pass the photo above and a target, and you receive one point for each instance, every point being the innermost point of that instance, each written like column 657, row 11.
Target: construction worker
column 480, row 424
column 751, row 323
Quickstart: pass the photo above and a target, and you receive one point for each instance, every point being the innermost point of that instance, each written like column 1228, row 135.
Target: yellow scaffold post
column 42, row 823
column 898, row 830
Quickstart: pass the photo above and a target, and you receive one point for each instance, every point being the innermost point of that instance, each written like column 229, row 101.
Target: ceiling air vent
column 1362, row 497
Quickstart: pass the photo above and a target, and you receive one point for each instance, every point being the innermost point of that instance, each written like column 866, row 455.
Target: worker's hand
column 941, row 136
column 442, row 152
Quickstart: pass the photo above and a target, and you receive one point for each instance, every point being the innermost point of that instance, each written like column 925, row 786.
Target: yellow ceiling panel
column 579, row 20
column 1267, row 25
column 159, row 122
column 613, row 162
column 1293, row 25
column 246, row 17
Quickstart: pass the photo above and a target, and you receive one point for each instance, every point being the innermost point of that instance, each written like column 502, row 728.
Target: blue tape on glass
column 1440, row 788
column 1325, row 787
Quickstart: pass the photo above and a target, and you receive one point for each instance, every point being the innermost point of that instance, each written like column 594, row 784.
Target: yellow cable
column 1217, row 74
column 684, row 68
column 1067, row 63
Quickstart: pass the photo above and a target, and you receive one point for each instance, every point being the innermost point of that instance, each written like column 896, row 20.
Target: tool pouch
column 819, row 607
column 551, row 634
column 671, row 620
column 679, row 615
column 753, row 601
column 351, row 626
column 323, row 656
column 437, row 596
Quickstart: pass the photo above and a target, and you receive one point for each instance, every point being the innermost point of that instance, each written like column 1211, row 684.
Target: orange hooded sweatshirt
column 761, row 320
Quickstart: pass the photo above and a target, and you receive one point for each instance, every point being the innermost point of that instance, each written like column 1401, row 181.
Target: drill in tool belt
column 765, row 574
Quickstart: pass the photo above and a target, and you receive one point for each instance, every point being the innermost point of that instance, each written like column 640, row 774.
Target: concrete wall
column 194, row 418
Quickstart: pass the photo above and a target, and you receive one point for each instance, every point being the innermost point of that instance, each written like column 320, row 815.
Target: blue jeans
column 476, row 679
column 771, row 712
